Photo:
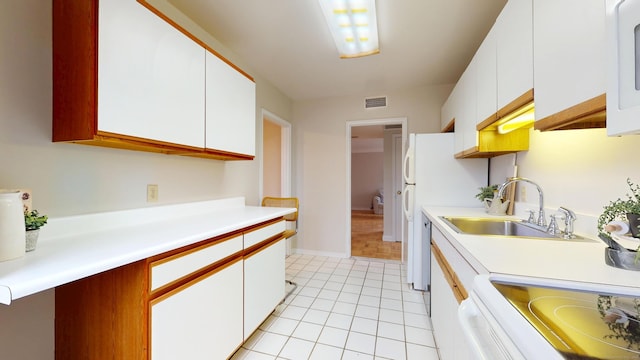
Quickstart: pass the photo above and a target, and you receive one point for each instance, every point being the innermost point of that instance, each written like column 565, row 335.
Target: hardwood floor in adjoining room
column 366, row 237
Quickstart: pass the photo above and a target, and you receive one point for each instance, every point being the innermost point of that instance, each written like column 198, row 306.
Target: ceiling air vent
column 375, row 102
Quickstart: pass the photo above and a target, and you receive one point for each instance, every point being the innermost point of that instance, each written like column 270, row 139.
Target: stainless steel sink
column 497, row 227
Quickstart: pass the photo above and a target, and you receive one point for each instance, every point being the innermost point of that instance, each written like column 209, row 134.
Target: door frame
column 354, row 123
column 285, row 153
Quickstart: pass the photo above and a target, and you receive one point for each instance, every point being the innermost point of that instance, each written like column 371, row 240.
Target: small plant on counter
column 33, row 220
column 623, row 210
column 486, row 192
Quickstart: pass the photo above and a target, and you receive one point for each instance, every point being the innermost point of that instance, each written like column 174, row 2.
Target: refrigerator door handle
column 408, row 170
column 407, row 202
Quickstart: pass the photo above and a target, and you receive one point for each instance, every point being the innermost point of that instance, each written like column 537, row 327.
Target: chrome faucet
column 569, row 218
column 542, row 221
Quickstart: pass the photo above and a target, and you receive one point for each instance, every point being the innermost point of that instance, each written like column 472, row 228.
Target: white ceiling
column 422, row 42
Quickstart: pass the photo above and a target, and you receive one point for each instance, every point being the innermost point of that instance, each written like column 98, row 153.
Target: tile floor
column 345, row 309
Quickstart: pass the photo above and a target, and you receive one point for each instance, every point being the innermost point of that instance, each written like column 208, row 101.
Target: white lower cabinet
column 441, row 300
column 450, row 274
column 201, row 301
column 200, row 320
column 263, row 284
column 444, row 317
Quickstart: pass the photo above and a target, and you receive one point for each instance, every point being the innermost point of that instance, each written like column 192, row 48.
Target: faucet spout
column 542, row 221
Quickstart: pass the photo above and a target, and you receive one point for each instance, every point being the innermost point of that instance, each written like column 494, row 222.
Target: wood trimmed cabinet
column 451, row 275
column 570, row 65
column 193, row 302
column 126, row 76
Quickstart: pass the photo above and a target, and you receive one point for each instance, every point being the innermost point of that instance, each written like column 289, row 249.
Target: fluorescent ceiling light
column 353, row 25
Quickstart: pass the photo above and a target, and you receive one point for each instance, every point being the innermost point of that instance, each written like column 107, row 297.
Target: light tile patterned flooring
column 354, row 308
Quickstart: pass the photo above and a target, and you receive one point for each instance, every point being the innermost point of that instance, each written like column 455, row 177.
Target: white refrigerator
column 433, row 177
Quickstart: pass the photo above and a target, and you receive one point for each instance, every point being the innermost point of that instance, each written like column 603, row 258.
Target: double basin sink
column 499, row 227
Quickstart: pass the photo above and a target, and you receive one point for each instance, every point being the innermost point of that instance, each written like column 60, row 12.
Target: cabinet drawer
column 263, row 233
column 172, row 268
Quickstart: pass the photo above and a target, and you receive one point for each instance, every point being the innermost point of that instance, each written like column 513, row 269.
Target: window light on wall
column 353, row 25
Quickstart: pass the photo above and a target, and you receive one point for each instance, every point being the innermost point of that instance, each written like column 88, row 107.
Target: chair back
column 286, row 202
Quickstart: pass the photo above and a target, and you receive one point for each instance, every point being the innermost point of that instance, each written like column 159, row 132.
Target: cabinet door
column 230, row 102
column 486, row 86
column 200, row 320
column 264, row 286
column 441, row 300
column 514, row 33
column 446, row 113
column 467, row 114
column 568, row 53
column 150, row 77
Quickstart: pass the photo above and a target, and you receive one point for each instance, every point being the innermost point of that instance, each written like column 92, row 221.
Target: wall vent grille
column 375, row 102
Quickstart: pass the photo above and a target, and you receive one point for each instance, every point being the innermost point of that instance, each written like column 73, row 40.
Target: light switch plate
column 152, row 193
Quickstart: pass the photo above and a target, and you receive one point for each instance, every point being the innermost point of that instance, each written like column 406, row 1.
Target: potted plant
column 33, row 221
column 486, row 192
column 624, row 210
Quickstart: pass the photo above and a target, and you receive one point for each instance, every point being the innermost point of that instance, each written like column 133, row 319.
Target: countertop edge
column 62, row 259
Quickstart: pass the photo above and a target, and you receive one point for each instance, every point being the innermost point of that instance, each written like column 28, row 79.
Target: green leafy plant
column 33, row 220
column 486, row 192
column 619, row 208
column 628, row 332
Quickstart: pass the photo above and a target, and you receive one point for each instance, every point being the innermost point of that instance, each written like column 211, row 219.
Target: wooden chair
column 289, row 202
column 286, row 202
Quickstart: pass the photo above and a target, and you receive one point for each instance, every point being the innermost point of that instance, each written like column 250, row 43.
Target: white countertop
column 550, row 259
column 75, row 247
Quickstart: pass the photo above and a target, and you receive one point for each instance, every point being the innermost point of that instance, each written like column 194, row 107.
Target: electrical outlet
column 152, row 193
column 523, row 194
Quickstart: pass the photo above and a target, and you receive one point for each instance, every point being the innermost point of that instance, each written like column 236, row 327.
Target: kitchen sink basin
column 497, row 227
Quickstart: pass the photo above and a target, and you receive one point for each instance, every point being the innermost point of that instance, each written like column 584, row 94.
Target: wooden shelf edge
column 588, row 114
column 514, row 105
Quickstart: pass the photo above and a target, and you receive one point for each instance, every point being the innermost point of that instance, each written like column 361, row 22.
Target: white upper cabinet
column 568, row 60
column 150, row 77
column 447, row 115
column 466, row 118
column 514, row 37
column 485, row 62
column 230, row 104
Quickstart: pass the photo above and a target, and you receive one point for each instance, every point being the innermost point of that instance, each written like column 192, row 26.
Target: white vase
column 12, row 231
column 32, row 239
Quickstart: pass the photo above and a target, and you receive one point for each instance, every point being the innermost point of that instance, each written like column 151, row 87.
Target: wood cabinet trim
column 450, row 127
column 262, row 225
column 587, row 114
column 75, row 70
column 95, row 316
column 194, row 278
column 257, row 248
column 454, row 282
column 75, row 84
column 517, row 103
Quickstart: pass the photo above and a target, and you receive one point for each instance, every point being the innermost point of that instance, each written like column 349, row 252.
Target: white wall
column 579, row 169
column 367, row 178
column 320, row 157
column 272, row 159
column 72, row 179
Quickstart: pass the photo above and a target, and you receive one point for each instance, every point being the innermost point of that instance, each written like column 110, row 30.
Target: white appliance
column 516, row 317
column 433, row 177
column 623, row 77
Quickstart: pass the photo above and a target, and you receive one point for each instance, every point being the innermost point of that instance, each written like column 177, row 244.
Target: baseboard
column 319, row 253
column 388, row 238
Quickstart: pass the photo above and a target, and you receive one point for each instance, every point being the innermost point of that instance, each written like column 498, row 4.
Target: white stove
column 510, row 317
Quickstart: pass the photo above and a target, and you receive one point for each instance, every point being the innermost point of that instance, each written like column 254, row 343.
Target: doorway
column 275, row 172
column 375, row 149
column 276, row 156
